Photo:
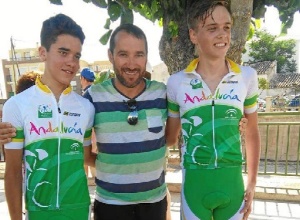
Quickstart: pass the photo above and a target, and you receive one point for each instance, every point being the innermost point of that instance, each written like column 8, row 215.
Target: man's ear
column 110, row 56
column 42, row 53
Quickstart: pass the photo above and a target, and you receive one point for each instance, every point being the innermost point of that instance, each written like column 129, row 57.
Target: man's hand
column 243, row 125
column 7, row 132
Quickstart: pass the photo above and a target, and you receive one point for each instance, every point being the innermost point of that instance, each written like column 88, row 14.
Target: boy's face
column 212, row 36
column 62, row 60
column 129, row 59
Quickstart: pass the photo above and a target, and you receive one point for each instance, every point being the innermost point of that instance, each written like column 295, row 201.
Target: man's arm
column 7, row 131
column 13, row 182
column 243, row 125
column 252, row 144
column 173, row 127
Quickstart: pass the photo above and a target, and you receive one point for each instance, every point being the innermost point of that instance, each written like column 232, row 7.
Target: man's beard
column 122, row 80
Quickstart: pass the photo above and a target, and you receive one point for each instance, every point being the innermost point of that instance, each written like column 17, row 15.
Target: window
column 27, row 56
column 8, row 78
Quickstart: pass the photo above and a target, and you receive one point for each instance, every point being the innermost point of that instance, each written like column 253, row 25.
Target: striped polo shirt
column 130, row 158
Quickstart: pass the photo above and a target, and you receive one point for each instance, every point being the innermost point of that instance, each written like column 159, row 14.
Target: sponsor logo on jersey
column 231, row 95
column 196, row 84
column 44, row 111
column 50, row 129
column 74, row 149
column 230, row 82
column 71, row 114
column 231, row 114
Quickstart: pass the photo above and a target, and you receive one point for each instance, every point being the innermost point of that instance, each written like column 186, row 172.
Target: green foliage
column 104, row 39
column 255, row 25
column 153, row 10
column 56, row 2
column 107, row 24
column 286, row 8
column 100, row 3
column 114, row 11
column 267, row 47
column 263, row 83
column 126, row 16
column 173, row 29
column 104, row 75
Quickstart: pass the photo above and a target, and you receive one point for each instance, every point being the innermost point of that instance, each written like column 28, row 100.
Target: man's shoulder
column 157, row 84
column 101, row 86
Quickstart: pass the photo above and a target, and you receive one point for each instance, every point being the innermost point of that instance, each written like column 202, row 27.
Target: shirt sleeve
column 13, row 115
column 172, row 105
column 250, row 104
column 88, row 133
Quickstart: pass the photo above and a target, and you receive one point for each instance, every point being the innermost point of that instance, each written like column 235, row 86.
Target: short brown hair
column 200, row 10
column 26, row 81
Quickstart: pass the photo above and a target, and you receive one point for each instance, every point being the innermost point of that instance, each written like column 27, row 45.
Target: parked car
column 295, row 101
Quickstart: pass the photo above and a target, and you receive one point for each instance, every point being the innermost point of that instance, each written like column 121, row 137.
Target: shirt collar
column 233, row 67
column 46, row 89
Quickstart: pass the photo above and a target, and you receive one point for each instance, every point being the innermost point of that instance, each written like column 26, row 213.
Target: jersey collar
column 46, row 89
column 233, row 67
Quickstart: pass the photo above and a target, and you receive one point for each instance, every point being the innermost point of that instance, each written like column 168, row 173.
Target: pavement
column 276, row 197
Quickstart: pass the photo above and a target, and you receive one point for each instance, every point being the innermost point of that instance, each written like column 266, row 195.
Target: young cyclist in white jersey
column 53, row 124
column 207, row 100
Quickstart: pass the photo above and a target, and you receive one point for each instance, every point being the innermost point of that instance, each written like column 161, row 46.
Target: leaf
column 127, row 16
column 104, row 76
column 56, row 2
column 100, row 3
column 107, row 24
column 104, row 39
column 87, row 1
column 114, row 10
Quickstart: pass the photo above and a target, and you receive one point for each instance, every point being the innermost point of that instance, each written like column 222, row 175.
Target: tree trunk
column 178, row 51
column 241, row 12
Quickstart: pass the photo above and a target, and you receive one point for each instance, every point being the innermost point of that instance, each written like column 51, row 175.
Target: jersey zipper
column 213, row 131
column 58, row 155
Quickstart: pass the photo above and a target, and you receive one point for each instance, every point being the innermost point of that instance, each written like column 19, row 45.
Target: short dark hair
column 58, row 25
column 130, row 29
column 200, row 10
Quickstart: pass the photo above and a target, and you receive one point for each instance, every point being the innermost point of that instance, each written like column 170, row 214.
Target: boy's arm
column 13, row 182
column 252, row 144
column 173, row 127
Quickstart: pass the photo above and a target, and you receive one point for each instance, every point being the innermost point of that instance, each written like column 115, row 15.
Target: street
column 262, row 210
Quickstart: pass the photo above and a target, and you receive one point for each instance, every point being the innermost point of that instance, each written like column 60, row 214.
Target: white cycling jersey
column 52, row 135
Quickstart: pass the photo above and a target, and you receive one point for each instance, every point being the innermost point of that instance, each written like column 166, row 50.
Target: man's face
column 62, row 60
column 212, row 36
column 129, row 59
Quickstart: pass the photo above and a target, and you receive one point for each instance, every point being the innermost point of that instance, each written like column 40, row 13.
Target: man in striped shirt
column 130, row 116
